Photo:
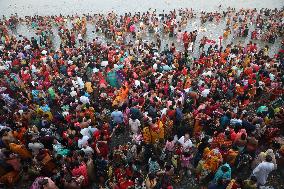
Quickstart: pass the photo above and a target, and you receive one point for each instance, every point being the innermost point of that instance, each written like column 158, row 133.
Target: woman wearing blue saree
column 224, row 172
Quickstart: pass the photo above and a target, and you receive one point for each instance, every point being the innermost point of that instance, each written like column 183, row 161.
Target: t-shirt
column 83, row 141
column 88, row 150
column 51, row 93
column 35, row 147
column 179, row 114
column 73, row 93
column 185, row 144
column 84, row 100
column 117, row 116
column 134, row 125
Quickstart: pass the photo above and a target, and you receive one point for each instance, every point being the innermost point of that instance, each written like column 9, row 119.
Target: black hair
column 151, row 176
column 268, row 158
column 224, row 169
column 253, row 178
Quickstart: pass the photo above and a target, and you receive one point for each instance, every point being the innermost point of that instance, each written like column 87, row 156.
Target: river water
column 48, row 7
column 72, row 7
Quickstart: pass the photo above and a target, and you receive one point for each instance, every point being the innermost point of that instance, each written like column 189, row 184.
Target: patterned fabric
column 221, row 175
column 35, row 184
column 81, row 171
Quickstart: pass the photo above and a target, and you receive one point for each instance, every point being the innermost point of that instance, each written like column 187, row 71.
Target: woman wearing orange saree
column 197, row 125
column 168, row 127
column 252, row 91
column 213, row 160
column 124, row 92
column 223, row 58
column 156, row 131
column 89, row 87
column 161, row 133
column 240, row 89
column 194, row 95
column 226, row 33
column 20, row 134
column 47, row 162
column 121, row 96
column 246, row 61
column 90, row 112
column 84, row 24
column 187, row 83
column 21, row 150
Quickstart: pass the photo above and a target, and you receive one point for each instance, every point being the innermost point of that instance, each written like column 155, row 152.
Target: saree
column 48, row 164
column 81, row 171
column 121, row 97
column 89, row 88
column 10, row 178
column 146, row 135
column 221, row 175
column 213, row 160
column 21, row 150
column 197, row 125
column 112, row 79
column 36, row 184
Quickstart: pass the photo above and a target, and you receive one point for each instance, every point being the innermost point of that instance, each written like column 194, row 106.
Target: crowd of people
column 127, row 113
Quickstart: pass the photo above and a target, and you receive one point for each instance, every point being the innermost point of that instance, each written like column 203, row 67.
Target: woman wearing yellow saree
column 157, row 131
column 208, row 165
column 89, row 87
column 154, row 131
column 146, row 135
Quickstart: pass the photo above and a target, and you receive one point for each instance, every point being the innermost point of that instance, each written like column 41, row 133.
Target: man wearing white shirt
column 83, row 141
column 236, row 121
column 35, row 147
column 88, row 150
column 80, row 38
column 86, row 132
column 261, row 172
column 80, row 82
column 185, row 142
column 73, row 92
column 134, row 125
column 84, row 100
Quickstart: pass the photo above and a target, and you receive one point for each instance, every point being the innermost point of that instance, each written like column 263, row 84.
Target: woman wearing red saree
column 81, row 170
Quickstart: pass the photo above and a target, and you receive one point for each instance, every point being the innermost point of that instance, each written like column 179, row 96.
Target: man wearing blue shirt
column 117, row 116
